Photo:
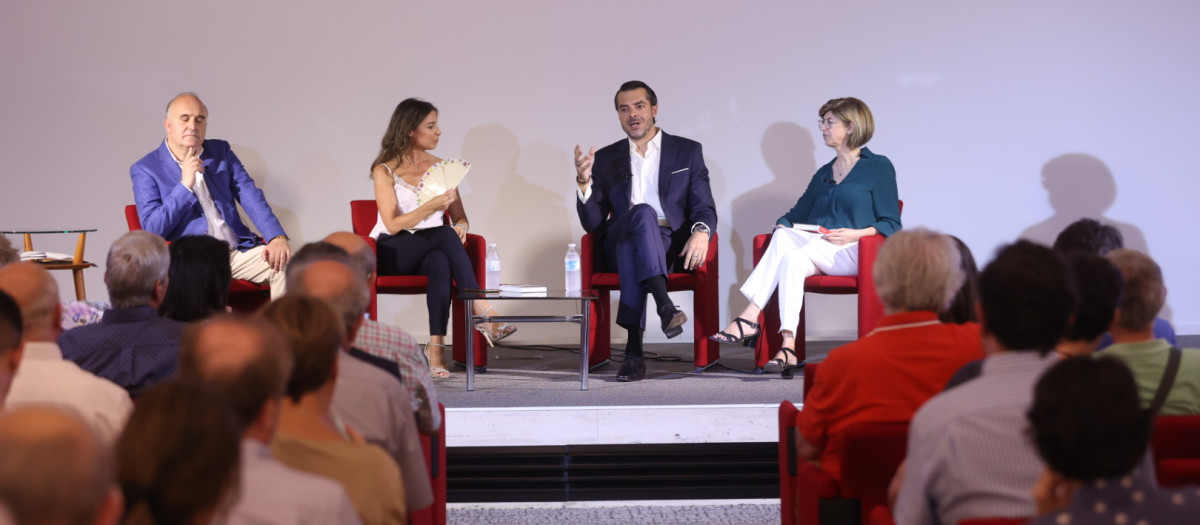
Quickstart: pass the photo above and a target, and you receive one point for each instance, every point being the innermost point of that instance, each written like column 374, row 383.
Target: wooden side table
column 76, row 264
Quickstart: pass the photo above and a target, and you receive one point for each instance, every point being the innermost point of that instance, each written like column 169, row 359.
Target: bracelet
column 584, row 181
column 464, row 225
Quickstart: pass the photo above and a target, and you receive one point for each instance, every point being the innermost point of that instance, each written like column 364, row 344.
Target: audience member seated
column 967, row 454
column 131, row 345
column 10, row 343
column 54, row 469
column 311, row 437
column 367, row 398
column 1091, row 236
column 249, row 361
column 887, row 375
column 390, row 342
column 1134, row 340
column 1091, row 431
column 43, row 375
column 199, row 279
column 177, row 459
column 1099, row 285
column 8, row 254
column 962, row 308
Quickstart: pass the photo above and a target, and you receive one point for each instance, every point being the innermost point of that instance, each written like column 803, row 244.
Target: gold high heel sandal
column 438, row 372
column 502, row 331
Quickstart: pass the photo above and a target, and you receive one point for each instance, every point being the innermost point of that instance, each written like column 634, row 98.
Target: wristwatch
column 701, row 227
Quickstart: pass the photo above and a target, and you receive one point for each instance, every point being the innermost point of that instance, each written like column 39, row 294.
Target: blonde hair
column 1143, row 293
column 918, row 269
column 855, row 112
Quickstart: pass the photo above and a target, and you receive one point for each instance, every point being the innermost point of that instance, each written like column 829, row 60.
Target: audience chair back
column 434, row 448
column 705, row 303
column 1175, row 446
column 870, row 307
column 244, row 296
column 363, row 215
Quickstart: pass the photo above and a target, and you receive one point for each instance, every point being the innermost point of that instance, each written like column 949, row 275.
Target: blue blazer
column 171, row 211
column 682, row 186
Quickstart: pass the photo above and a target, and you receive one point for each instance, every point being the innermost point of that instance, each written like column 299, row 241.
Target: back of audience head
column 199, row 278
column 1143, row 294
column 314, row 332
column 36, row 292
column 136, row 270
column 11, row 348
column 317, row 251
column 55, row 470
column 1087, row 420
column 336, row 282
column 1099, row 284
column 360, row 252
column 8, row 254
column 1090, row 236
column 963, row 308
column 1026, row 297
column 918, row 269
column 247, row 359
column 178, row 458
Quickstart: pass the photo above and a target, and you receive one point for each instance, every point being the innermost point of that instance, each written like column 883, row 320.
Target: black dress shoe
column 633, row 369
column 672, row 320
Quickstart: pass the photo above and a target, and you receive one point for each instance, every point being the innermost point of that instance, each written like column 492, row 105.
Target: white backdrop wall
column 1003, row 118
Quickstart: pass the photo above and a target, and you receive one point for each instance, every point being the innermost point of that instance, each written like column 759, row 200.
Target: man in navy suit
column 192, row 186
column 648, row 200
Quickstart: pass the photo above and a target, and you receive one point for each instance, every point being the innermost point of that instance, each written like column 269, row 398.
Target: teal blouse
column 866, row 197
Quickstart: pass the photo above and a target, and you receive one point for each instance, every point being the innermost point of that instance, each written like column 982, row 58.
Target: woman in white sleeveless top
column 411, row 237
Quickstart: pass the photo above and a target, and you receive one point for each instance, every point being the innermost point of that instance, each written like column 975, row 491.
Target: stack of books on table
column 523, row 290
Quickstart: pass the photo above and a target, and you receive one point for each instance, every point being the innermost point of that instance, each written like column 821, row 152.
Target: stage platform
column 530, row 396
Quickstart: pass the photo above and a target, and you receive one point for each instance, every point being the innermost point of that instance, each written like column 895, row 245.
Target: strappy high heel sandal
column 741, row 338
column 502, row 331
column 786, row 370
column 438, row 372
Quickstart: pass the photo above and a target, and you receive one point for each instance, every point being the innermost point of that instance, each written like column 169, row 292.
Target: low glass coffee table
column 583, row 300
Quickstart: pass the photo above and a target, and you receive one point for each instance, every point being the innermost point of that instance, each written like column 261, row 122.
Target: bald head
column 54, row 469
column 246, row 358
column 186, row 124
column 335, row 282
column 36, row 292
column 360, row 252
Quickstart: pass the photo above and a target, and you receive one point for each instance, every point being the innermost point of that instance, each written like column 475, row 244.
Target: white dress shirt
column 45, row 377
column 644, row 186
column 216, row 223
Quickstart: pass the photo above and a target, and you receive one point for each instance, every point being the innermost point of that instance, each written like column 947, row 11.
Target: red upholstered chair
column 244, row 296
column 1176, row 449
column 363, row 215
column 705, row 303
column 995, row 521
column 880, row 515
column 434, row 448
column 870, row 308
column 872, row 453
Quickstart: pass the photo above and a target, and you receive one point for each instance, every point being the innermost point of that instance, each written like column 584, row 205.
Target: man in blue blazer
column 648, row 200
column 191, row 186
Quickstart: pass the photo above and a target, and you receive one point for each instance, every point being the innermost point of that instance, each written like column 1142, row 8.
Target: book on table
column 522, row 288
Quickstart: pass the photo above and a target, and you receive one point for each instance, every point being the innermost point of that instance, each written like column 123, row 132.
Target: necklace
column 841, row 168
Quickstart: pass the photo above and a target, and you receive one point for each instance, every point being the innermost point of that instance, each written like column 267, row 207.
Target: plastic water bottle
column 493, row 268
column 574, row 279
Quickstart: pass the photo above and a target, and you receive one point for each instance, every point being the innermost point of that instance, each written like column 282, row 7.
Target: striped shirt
column 968, row 452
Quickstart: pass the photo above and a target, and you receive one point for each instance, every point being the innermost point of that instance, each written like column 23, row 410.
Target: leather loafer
column 672, row 320
column 633, row 369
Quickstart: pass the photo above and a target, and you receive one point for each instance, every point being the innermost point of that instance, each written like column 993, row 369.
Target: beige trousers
column 251, row 266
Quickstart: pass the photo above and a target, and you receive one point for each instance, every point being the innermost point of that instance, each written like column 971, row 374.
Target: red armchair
column 244, row 296
column 363, row 215
column 434, row 448
column 1175, row 446
column 873, row 451
column 870, row 308
column 995, row 521
column 706, row 303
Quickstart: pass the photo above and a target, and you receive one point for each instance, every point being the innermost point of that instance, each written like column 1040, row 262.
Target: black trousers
column 438, row 254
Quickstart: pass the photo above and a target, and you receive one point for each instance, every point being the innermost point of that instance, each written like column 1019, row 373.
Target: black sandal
column 787, row 371
column 741, row 338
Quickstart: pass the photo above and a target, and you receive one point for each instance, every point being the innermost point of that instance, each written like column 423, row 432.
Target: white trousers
column 250, row 266
column 792, row 257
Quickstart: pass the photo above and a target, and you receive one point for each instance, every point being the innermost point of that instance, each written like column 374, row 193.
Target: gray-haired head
column 918, row 269
column 137, row 262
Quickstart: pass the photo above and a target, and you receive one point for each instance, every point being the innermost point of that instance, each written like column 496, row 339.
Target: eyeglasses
column 823, row 123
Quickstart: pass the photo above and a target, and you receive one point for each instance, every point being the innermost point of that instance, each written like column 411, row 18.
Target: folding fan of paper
column 440, row 178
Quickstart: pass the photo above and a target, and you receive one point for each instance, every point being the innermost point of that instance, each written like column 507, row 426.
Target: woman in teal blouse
column 851, row 197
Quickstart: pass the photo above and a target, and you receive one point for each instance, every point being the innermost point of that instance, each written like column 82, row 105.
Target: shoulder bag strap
column 1168, row 379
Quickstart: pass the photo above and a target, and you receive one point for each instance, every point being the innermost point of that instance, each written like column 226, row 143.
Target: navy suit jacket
column 168, row 209
column 682, row 186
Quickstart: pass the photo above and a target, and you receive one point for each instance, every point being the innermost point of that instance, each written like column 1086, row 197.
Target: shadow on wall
column 256, row 167
column 788, row 150
column 1080, row 185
